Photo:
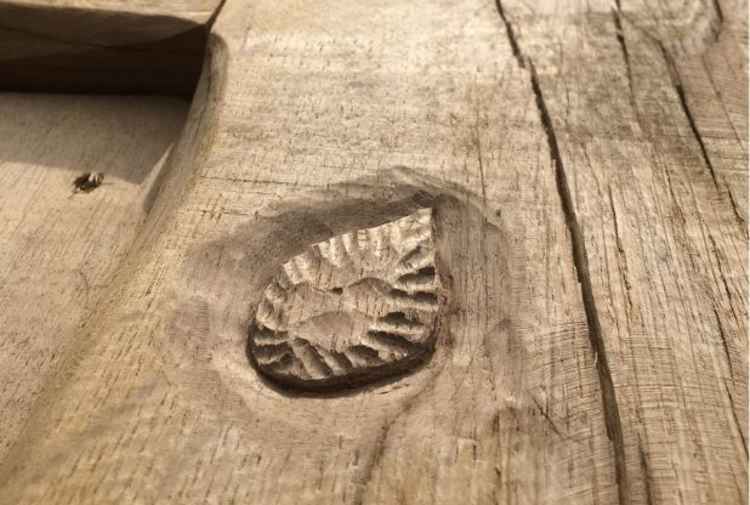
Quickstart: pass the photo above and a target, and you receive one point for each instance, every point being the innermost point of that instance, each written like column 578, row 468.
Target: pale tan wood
column 715, row 84
column 518, row 378
column 60, row 248
column 666, row 249
column 593, row 348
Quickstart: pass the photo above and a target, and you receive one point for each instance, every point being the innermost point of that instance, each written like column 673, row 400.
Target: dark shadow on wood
column 78, row 50
column 123, row 137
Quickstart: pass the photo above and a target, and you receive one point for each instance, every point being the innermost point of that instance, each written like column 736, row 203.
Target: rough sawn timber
column 60, row 249
column 586, row 167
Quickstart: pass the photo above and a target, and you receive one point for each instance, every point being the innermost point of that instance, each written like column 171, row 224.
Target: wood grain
column 61, row 248
column 589, row 228
column 657, row 222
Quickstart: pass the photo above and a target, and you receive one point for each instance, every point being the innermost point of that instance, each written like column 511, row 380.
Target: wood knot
column 351, row 310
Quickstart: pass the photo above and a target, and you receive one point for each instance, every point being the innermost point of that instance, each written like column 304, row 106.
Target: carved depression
column 353, row 309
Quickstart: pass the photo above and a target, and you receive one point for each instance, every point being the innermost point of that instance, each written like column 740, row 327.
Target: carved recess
column 352, row 309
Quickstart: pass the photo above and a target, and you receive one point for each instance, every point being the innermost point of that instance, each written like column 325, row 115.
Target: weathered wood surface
column 60, row 249
column 586, row 164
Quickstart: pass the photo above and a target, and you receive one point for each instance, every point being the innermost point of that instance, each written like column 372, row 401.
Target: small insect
column 88, row 182
column 352, row 309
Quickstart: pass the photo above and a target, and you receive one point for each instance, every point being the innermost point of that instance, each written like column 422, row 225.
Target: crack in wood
column 720, row 18
column 694, row 128
column 622, row 260
column 514, row 47
column 620, row 35
column 643, row 460
column 724, row 343
column 737, row 422
column 580, row 261
column 676, row 81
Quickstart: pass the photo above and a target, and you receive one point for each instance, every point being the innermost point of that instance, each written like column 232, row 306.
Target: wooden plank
column 663, row 245
column 588, row 230
column 716, row 98
column 61, row 248
column 301, row 109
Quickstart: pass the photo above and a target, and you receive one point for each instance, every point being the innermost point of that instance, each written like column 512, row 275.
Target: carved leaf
column 352, row 309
